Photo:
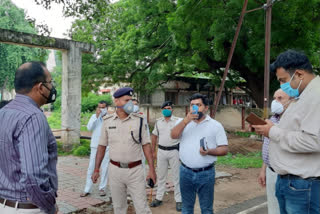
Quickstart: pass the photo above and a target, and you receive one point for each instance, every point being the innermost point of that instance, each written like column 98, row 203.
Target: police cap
column 122, row 92
column 166, row 103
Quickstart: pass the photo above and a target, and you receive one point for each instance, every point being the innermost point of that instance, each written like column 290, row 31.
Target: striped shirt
column 28, row 155
column 265, row 147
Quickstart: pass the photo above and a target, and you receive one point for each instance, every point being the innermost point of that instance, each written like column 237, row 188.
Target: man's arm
column 103, row 143
column 148, row 154
column 92, row 122
column 154, row 141
column 33, row 150
column 219, row 151
column 178, row 129
column 99, row 157
column 262, row 175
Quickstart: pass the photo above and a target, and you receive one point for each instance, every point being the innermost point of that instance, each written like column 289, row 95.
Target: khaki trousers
column 164, row 159
column 132, row 181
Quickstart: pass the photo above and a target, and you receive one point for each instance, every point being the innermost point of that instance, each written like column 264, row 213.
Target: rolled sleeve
column 34, row 163
column 155, row 129
column 103, row 141
column 145, row 133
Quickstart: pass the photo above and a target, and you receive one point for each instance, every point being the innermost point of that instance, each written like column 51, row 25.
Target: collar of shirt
column 172, row 118
column 309, row 87
column 21, row 97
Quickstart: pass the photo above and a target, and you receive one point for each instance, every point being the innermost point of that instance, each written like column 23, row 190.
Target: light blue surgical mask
column 286, row 87
column 166, row 112
column 128, row 107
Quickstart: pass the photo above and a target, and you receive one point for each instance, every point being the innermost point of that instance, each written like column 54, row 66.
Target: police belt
column 20, row 205
column 199, row 169
column 168, row 148
column 296, row 177
column 126, row 165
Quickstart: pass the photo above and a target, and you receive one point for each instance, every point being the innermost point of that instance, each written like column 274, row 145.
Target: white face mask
column 103, row 111
column 135, row 108
column 276, row 107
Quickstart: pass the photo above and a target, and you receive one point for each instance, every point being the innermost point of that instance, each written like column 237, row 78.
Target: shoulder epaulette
column 107, row 116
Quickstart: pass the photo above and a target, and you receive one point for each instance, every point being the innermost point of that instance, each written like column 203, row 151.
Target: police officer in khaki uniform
column 168, row 154
column 126, row 134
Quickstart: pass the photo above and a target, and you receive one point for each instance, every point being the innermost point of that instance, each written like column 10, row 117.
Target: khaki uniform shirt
column 116, row 134
column 162, row 129
column 295, row 141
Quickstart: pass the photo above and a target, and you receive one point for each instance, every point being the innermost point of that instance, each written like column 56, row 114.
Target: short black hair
column 103, row 102
column 196, row 96
column 4, row 102
column 292, row 60
column 28, row 75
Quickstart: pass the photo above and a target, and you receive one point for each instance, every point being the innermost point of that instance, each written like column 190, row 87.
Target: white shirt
column 214, row 135
column 162, row 129
column 94, row 125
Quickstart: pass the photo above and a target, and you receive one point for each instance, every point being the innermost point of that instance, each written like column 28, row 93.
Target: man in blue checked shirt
column 28, row 149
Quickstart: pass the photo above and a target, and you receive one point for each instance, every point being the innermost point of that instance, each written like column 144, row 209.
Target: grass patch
column 250, row 160
column 54, row 120
column 244, row 134
column 82, row 149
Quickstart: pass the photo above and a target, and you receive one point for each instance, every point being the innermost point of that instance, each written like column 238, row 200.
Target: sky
column 58, row 24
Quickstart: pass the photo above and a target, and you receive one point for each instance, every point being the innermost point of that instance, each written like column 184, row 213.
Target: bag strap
column 140, row 130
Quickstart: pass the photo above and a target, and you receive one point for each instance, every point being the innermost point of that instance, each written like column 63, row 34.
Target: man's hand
column 190, row 117
column 262, row 177
column 95, row 177
column 203, row 152
column 98, row 111
column 152, row 175
column 263, row 129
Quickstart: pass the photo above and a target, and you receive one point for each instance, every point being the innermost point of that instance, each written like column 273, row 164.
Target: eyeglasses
column 52, row 82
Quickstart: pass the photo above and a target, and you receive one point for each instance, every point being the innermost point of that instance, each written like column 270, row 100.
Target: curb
column 252, row 209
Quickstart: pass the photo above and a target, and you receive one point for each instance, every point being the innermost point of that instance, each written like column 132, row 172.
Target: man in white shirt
column 94, row 125
column 202, row 139
column 294, row 148
column 168, row 154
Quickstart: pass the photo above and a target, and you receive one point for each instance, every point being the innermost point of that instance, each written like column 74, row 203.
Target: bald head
column 27, row 75
column 281, row 96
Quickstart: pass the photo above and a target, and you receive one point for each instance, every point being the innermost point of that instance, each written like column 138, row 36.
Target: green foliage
column 12, row 56
column 245, row 134
column 54, row 120
column 147, row 43
column 250, row 160
column 82, row 149
column 90, row 102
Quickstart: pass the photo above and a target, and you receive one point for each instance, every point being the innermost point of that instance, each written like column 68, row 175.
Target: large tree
column 150, row 42
column 11, row 56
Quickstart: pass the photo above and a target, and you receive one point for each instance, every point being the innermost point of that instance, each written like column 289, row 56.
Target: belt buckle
column 124, row 165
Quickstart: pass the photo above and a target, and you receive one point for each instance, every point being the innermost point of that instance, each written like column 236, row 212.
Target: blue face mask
column 166, row 112
column 286, row 87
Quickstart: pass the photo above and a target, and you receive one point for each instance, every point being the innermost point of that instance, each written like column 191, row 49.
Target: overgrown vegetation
column 54, row 120
column 250, row 160
column 82, row 149
column 244, row 134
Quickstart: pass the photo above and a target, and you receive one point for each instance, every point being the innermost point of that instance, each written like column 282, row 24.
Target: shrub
column 83, row 149
column 90, row 102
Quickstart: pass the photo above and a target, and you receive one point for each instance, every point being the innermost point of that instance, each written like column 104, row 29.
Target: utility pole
column 267, row 60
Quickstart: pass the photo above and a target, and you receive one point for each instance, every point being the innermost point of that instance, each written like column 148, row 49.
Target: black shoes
column 155, row 203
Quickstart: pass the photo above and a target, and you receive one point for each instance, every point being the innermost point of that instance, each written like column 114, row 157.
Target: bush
column 83, row 149
column 250, row 160
column 90, row 102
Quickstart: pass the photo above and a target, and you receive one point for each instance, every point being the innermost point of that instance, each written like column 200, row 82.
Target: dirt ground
column 240, row 187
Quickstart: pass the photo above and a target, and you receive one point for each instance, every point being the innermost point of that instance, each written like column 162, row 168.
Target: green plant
column 90, row 102
column 54, row 120
column 60, row 149
column 245, row 134
column 82, row 149
column 250, row 160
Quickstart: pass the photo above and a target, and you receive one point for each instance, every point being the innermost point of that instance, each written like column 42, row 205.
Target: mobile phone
column 253, row 119
column 150, row 183
column 202, row 144
column 195, row 109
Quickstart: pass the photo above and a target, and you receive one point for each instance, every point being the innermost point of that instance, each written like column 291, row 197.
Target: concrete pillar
column 71, row 96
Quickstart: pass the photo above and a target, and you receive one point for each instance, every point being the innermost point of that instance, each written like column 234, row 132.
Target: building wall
column 228, row 116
